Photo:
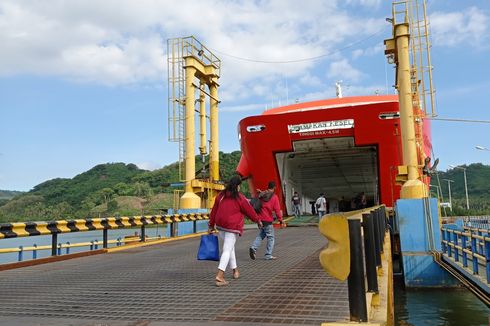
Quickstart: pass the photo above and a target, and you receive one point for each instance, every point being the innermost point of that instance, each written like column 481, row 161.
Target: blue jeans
column 320, row 214
column 266, row 231
column 297, row 210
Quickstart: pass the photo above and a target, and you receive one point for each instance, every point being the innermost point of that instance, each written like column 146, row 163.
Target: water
column 439, row 307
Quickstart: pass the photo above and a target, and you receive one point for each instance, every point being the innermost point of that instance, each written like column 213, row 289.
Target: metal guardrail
column 53, row 228
column 480, row 222
column 470, row 245
column 362, row 249
column 93, row 245
column 374, row 226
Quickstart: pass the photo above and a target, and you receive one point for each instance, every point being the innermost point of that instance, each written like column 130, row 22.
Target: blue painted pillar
column 418, row 236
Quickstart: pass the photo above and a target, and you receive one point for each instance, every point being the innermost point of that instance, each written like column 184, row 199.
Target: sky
column 84, row 82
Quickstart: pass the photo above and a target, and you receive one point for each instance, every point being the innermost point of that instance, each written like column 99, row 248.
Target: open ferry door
column 333, row 166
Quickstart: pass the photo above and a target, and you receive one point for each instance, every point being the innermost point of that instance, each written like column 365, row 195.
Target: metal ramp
column 165, row 285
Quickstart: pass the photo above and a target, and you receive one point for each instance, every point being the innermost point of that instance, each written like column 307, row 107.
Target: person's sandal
column 220, row 283
column 236, row 274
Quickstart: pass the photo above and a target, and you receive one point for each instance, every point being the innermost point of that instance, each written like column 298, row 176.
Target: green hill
column 74, row 191
column 9, row 194
column 6, row 195
column 124, row 189
column 106, row 189
column 477, row 177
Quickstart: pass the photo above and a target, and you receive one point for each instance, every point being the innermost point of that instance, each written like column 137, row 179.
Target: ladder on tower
column 414, row 12
column 176, row 97
column 420, row 54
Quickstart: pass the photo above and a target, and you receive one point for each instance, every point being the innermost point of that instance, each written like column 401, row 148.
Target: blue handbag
column 208, row 248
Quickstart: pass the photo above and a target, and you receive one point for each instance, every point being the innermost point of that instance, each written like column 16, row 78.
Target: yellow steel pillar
column 189, row 199
column 399, row 48
column 190, row 62
column 213, row 140
column 214, row 145
column 202, row 132
column 202, row 120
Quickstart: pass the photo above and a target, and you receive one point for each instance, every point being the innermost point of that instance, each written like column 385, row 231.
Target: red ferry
column 340, row 147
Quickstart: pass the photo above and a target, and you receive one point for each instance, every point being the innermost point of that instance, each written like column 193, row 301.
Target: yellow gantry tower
column 193, row 68
column 409, row 56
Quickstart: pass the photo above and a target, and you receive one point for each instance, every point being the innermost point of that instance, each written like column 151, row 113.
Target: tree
column 106, row 194
column 15, row 209
column 123, row 189
column 112, row 206
column 61, row 211
column 142, row 189
column 36, row 212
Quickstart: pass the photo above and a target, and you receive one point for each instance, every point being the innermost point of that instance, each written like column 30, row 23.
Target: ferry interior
column 333, row 166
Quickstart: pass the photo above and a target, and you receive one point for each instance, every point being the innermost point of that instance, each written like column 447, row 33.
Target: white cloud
column 358, row 90
column 343, row 70
column 150, row 166
column 455, row 28
column 310, row 80
column 366, row 3
column 347, row 90
column 370, row 51
column 135, row 60
column 123, row 42
column 58, row 40
column 243, row 108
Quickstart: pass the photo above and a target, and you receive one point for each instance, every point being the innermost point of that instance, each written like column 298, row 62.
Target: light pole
column 465, row 184
column 437, row 190
column 482, row 148
column 440, row 197
column 449, row 189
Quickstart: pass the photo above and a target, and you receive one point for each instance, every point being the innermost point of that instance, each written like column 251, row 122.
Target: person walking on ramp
column 227, row 216
column 270, row 203
column 321, row 206
column 296, row 201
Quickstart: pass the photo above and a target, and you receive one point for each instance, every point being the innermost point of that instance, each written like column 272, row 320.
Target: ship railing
column 54, row 228
column 357, row 239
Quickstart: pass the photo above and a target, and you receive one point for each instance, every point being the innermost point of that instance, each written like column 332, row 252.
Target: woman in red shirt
column 227, row 216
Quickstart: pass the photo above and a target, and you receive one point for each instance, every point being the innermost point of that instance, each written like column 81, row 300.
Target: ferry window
column 389, row 115
column 256, row 128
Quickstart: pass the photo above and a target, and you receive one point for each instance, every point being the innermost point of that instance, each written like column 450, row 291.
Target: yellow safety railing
column 53, row 228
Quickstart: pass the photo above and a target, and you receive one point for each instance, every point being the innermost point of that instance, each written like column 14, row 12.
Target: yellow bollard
column 335, row 259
